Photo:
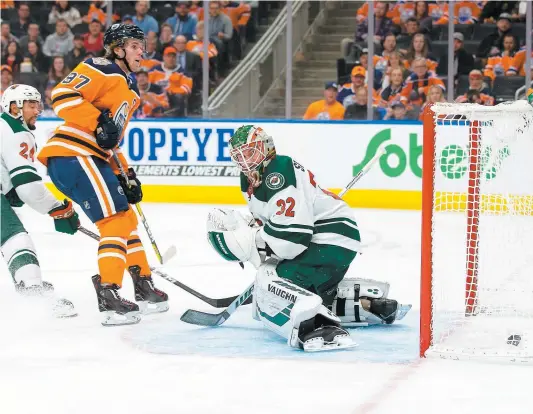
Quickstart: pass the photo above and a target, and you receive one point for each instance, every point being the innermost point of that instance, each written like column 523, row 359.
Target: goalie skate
column 327, row 338
column 116, row 310
column 60, row 307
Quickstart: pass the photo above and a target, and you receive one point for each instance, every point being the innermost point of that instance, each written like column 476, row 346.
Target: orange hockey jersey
column 197, row 46
column 518, row 63
column 173, row 81
column 94, row 85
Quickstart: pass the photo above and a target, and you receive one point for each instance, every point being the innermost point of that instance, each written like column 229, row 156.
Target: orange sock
column 136, row 254
column 113, row 247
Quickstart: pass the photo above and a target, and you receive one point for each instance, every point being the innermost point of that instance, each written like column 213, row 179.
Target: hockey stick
column 171, row 251
column 216, row 303
column 195, row 317
column 363, row 171
column 214, row 319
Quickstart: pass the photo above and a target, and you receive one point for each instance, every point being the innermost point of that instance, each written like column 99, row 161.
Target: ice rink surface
column 162, row 365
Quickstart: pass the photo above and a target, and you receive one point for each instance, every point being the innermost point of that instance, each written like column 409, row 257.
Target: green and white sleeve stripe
column 294, row 233
column 340, row 231
column 23, row 175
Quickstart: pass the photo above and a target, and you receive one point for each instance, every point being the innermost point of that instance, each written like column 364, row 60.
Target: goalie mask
column 252, row 149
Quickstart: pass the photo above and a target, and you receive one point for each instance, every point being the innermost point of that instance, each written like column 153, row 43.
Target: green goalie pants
column 318, row 269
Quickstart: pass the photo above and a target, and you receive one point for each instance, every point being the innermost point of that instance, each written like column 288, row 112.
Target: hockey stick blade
column 195, row 317
column 169, row 254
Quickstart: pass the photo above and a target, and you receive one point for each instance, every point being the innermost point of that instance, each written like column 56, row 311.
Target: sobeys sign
column 452, row 159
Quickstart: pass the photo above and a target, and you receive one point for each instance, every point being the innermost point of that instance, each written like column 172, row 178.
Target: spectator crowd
column 42, row 41
column 410, row 62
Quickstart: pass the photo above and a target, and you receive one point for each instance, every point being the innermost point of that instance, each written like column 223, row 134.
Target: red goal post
column 474, row 214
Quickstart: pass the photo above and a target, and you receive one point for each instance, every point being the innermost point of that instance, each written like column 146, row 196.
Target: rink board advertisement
column 188, row 161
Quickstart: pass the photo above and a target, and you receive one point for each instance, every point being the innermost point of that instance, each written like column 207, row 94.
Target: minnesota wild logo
column 275, row 181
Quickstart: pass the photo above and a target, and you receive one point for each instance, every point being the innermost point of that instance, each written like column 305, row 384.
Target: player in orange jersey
column 96, row 101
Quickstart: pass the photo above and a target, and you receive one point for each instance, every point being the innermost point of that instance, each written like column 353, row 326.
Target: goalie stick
column 195, row 317
column 216, row 303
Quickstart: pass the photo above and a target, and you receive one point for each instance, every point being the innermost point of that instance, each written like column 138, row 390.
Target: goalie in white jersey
column 21, row 184
column 302, row 239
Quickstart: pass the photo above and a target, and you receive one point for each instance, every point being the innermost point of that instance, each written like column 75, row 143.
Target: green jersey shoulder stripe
column 277, row 226
column 335, row 220
column 25, row 178
column 22, row 168
column 294, row 237
column 339, row 228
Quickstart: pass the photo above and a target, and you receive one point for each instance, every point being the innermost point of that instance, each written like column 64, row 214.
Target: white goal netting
column 482, row 229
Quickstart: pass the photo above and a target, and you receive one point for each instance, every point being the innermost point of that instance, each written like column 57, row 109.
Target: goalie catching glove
column 237, row 238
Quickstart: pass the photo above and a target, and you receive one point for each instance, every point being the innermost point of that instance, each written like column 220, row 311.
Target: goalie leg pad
column 363, row 302
column 296, row 314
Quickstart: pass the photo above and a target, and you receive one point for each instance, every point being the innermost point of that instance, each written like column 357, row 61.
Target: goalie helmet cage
column 476, row 297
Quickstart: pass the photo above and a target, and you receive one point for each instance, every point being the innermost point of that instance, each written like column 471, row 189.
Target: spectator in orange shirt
column 439, row 12
column 518, row 64
column 417, row 84
column 95, row 12
column 402, row 11
column 170, row 76
column 197, row 46
column 327, row 108
column 500, row 64
column 154, row 100
column 362, row 12
column 467, row 12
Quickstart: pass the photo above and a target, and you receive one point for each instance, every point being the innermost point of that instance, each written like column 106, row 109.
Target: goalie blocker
column 289, row 310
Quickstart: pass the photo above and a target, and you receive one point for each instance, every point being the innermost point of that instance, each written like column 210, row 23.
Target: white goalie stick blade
column 111, row 318
column 169, row 254
column 195, row 317
column 318, row 344
column 402, row 311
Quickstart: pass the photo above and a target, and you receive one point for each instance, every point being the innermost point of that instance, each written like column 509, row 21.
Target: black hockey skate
column 61, row 307
column 150, row 299
column 117, row 310
column 320, row 334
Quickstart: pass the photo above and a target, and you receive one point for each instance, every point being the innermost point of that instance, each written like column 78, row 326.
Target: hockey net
column 477, row 232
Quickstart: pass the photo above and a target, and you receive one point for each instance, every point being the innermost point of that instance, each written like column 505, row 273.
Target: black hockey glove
column 132, row 187
column 107, row 133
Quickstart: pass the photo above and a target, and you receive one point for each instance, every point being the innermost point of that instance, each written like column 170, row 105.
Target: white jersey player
column 21, row 184
column 302, row 239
